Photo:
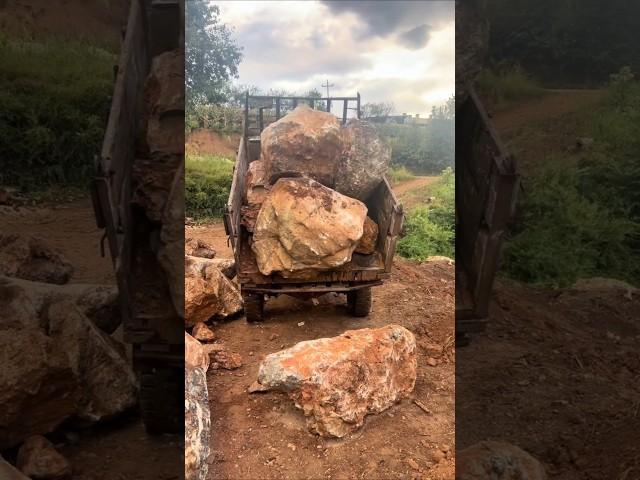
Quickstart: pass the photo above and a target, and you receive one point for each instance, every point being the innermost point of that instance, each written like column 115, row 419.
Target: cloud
column 388, row 54
column 384, row 18
column 416, row 38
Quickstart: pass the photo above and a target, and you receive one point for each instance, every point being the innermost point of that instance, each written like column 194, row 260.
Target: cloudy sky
column 389, row 51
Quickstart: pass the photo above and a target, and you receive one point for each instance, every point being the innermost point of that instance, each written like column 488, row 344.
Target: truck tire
column 162, row 399
column 359, row 302
column 253, row 306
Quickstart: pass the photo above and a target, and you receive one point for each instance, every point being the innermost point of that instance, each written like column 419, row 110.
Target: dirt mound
column 208, row 142
column 553, row 377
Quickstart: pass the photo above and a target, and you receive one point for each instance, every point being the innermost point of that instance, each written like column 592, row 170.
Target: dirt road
column 120, row 449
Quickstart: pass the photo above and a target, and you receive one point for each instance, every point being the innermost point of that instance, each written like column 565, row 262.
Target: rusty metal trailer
column 150, row 322
column 486, row 190
column 354, row 278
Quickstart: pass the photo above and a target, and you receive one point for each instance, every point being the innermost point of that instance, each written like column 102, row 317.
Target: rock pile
column 337, row 381
column 304, row 197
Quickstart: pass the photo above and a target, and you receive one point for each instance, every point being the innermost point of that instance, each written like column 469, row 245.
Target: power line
column 327, row 85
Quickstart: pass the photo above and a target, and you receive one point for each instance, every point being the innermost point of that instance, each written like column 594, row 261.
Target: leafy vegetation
column 506, row 85
column 54, row 104
column 430, row 229
column 399, row 174
column 207, row 184
column 580, row 214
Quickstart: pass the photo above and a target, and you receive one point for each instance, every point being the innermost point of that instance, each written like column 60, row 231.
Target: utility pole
column 327, row 85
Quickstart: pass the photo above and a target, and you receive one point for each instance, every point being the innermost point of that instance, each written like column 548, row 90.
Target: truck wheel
column 359, row 302
column 253, row 306
column 162, row 399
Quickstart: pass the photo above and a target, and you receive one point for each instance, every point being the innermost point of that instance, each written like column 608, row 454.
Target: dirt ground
column 556, row 374
column 120, row 450
column 556, row 370
column 264, row 435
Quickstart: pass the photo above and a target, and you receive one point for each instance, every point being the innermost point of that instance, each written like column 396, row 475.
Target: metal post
column 358, row 106
column 329, row 105
column 277, row 108
column 261, row 119
column 344, row 112
column 246, row 114
column 295, row 102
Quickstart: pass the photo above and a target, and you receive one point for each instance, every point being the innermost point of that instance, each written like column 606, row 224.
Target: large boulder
column 31, row 258
column 304, row 225
column 197, row 423
column 304, row 142
column 107, row 382
column 195, row 354
column 369, row 240
column 490, row 460
column 38, row 388
column 364, row 161
column 256, row 183
column 207, row 292
column 338, row 381
column 39, row 460
column 22, row 300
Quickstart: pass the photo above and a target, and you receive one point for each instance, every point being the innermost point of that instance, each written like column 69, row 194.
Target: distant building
column 403, row 119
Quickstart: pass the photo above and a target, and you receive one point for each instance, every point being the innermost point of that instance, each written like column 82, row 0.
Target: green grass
column 397, row 174
column 507, row 85
column 54, row 103
column 579, row 214
column 430, row 229
column 207, row 184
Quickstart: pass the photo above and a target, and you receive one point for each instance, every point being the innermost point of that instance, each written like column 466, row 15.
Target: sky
column 389, row 51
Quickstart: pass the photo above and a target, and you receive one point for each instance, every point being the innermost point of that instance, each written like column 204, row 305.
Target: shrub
column 54, row 104
column 397, row 174
column 207, row 184
column 430, row 229
column 507, row 84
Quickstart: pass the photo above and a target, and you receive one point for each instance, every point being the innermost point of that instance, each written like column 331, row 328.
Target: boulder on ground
column 256, row 183
column 338, row 381
column 39, row 460
column 197, row 423
column 207, row 292
column 364, row 161
column 198, row 248
column 21, row 300
column 8, row 472
column 304, row 225
column 202, row 332
column 195, row 354
column 38, row 388
column 227, row 266
column 497, row 461
column 107, row 382
column 30, row 258
column 305, row 142
column 369, row 240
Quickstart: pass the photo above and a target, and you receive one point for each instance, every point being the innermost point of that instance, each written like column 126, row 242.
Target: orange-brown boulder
column 369, row 240
column 338, row 381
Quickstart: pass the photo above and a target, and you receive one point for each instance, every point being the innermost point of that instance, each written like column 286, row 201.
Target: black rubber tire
column 359, row 302
column 253, row 306
column 162, row 399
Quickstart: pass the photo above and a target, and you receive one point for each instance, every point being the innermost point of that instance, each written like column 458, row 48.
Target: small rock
column 273, row 336
column 315, row 302
column 437, row 456
column 499, row 461
column 432, row 362
column 202, row 332
column 256, row 387
column 301, row 324
column 413, row 464
column 198, row 248
column 39, row 460
column 221, row 358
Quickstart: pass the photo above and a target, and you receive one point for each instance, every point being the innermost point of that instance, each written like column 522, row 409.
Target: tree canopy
column 211, row 54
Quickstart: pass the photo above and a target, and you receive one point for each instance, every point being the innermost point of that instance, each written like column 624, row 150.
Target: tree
column 446, row 111
column 211, row 54
column 382, row 109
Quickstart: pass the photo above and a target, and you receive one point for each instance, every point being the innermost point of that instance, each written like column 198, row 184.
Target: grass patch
column 507, row 85
column 54, row 105
column 579, row 216
column 397, row 174
column 430, row 229
column 207, row 184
